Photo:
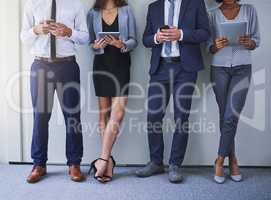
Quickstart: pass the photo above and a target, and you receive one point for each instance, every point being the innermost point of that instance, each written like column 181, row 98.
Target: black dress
column 111, row 70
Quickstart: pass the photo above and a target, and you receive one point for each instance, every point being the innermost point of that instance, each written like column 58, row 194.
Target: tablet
column 233, row 31
column 114, row 34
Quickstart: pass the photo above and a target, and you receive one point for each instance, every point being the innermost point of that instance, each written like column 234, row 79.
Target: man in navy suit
column 174, row 31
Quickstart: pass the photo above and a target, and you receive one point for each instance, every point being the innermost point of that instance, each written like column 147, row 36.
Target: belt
column 171, row 59
column 56, row 60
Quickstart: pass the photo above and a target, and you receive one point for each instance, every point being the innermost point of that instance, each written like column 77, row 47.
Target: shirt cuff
column 155, row 39
column 73, row 36
column 181, row 38
column 32, row 33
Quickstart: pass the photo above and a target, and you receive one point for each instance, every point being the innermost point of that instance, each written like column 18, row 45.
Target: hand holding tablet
column 233, row 31
column 109, row 38
column 100, row 44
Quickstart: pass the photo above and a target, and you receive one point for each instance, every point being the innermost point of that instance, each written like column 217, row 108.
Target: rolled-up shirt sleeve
column 27, row 33
column 80, row 33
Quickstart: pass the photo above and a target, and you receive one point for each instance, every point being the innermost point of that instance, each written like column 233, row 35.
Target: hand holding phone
column 42, row 28
column 168, row 34
column 161, row 37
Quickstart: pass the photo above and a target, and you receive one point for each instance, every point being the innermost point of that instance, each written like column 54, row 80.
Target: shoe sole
column 154, row 174
column 219, row 182
column 236, row 181
column 176, row 182
column 33, row 182
column 77, row 180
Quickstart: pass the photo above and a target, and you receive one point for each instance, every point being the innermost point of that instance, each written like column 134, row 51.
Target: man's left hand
column 60, row 30
column 172, row 34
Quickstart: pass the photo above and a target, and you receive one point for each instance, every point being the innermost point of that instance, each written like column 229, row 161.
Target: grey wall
column 3, row 143
column 253, row 138
column 9, row 65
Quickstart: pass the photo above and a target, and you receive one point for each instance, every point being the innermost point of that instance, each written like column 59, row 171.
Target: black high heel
column 93, row 167
column 110, row 178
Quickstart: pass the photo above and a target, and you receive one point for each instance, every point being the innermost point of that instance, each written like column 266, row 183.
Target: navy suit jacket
column 193, row 21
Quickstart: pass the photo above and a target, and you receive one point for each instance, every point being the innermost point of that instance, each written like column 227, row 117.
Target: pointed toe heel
column 219, row 179
column 236, row 178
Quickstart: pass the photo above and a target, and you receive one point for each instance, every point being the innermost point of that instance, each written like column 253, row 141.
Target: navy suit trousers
column 170, row 79
column 64, row 79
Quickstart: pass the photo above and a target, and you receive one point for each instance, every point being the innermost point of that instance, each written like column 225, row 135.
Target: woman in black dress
column 111, row 73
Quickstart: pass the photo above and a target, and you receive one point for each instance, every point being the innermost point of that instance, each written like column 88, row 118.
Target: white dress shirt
column 175, row 52
column 69, row 12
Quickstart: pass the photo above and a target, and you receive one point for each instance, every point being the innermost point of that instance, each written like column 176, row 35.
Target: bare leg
column 104, row 113
column 110, row 134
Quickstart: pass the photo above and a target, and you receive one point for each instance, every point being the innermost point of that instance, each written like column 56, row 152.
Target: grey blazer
column 127, row 28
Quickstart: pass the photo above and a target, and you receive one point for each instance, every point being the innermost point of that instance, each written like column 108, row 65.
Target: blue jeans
column 64, row 79
column 230, row 87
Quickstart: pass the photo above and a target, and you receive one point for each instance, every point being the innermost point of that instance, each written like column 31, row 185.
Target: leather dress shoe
column 36, row 174
column 75, row 173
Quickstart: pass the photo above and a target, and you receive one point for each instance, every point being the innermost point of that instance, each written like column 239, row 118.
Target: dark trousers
column 64, row 78
column 230, row 87
column 170, row 79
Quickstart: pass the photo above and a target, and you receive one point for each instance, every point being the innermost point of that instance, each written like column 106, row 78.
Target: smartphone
column 164, row 27
column 50, row 21
column 51, row 24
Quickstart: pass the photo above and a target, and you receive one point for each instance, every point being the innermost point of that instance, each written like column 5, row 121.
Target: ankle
column 104, row 157
column 220, row 161
column 233, row 164
column 233, row 159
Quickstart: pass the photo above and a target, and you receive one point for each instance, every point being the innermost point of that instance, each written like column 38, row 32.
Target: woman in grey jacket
column 111, row 73
column 231, row 73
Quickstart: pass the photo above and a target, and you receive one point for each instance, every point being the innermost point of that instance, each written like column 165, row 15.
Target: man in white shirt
column 53, row 28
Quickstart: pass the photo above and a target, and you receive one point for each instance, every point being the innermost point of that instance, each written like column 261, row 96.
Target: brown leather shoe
column 75, row 173
column 36, row 174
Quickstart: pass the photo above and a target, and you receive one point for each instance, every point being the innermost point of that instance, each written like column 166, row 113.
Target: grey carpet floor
column 198, row 185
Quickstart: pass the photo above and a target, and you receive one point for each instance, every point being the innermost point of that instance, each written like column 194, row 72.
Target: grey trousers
column 230, row 87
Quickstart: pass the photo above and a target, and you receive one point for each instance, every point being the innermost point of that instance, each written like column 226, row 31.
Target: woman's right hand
column 100, row 44
column 219, row 43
